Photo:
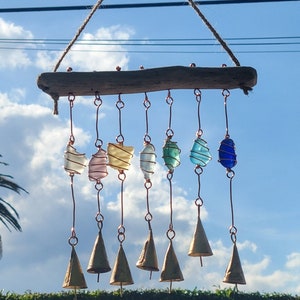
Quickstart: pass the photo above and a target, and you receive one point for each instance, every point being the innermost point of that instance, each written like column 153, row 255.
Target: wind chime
column 227, row 157
column 118, row 157
column 148, row 257
column 171, row 155
column 98, row 262
column 74, row 163
column 200, row 156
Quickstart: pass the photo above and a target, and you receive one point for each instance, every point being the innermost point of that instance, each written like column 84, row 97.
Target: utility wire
column 152, row 51
column 164, row 42
column 142, row 40
column 136, row 5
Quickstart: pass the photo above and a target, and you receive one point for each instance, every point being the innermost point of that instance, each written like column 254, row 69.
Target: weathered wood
column 146, row 80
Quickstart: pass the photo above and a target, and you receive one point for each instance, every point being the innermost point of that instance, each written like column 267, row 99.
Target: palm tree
column 8, row 215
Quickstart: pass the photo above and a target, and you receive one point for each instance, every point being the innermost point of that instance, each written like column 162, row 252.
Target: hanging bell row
column 121, row 275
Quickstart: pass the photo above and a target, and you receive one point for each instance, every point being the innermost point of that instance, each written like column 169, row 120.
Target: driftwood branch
column 59, row 84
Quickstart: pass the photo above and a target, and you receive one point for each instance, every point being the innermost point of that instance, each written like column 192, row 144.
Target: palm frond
column 7, row 218
column 8, row 214
column 1, row 249
column 9, row 184
column 2, row 162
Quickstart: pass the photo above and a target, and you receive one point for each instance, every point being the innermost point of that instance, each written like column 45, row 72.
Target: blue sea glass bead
column 200, row 153
column 227, row 156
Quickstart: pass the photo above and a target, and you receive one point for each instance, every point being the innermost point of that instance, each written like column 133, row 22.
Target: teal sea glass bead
column 200, row 154
column 171, row 154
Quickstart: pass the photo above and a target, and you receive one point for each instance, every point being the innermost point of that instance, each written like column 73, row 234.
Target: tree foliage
column 8, row 214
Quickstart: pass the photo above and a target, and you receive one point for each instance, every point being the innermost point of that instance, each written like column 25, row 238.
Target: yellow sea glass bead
column 119, row 156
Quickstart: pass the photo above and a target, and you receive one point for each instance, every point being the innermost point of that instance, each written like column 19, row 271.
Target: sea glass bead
column 119, row 156
column 171, row 154
column 200, row 154
column 98, row 166
column 227, row 156
column 148, row 160
column 74, row 162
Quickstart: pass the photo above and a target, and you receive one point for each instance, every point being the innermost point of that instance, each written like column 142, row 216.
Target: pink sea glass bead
column 98, row 166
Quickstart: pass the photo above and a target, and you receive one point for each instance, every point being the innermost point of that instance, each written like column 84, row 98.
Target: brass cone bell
column 121, row 274
column 74, row 278
column 199, row 245
column 234, row 272
column 148, row 258
column 171, row 269
column 98, row 262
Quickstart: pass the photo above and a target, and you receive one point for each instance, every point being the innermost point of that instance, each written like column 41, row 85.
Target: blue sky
column 264, row 126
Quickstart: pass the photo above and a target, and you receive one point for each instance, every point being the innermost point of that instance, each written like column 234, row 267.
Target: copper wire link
column 97, row 103
column 121, row 228
column 169, row 101
column 147, row 105
column 226, row 94
column 232, row 229
column 73, row 240
column 71, row 99
column 120, row 105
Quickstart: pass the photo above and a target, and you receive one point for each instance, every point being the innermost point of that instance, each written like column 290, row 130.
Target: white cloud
column 92, row 57
column 293, row 260
column 14, row 58
column 99, row 57
column 247, row 245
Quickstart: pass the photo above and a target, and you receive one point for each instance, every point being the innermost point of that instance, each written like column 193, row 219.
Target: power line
column 136, row 5
column 153, row 51
column 164, row 42
column 270, row 44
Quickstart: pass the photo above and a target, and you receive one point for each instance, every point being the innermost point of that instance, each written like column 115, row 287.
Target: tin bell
column 121, row 274
column 171, row 269
column 74, row 278
column 98, row 262
column 199, row 245
column 234, row 272
column 148, row 258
